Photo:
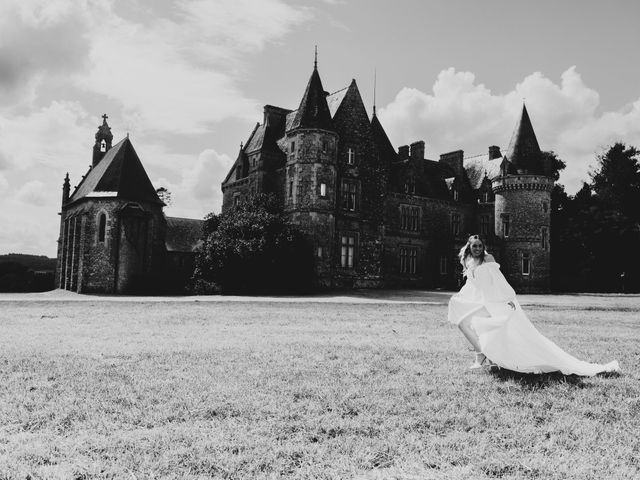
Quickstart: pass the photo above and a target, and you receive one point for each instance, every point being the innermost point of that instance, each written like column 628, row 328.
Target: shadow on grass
column 535, row 381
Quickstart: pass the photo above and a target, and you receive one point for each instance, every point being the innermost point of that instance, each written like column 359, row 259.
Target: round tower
column 523, row 211
column 310, row 174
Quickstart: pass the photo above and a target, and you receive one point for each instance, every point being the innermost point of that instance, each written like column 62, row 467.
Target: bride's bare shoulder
column 489, row 258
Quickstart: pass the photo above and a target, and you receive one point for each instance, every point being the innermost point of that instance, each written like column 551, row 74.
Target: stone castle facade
column 375, row 216
column 380, row 217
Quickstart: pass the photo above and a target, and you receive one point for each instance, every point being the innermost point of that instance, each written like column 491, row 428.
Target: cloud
column 39, row 39
column 461, row 113
column 180, row 74
column 197, row 191
column 33, row 192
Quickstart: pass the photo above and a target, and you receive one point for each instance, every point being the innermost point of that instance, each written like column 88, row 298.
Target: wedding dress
column 506, row 336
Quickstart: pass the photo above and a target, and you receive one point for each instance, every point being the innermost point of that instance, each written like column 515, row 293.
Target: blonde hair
column 465, row 252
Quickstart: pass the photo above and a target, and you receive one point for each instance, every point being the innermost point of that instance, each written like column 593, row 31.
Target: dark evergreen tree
column 254, row 249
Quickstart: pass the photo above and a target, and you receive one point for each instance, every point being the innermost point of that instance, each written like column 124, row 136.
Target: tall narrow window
column 444, row 265
column 348, row 251
column 103, row 146
column 485, row 196
column 323, row 189
column 291, row 188
column 526, row 263
column 351, row 156
column 350, row 195
column 506, row 225
column 408, row 260
column 292, row 148
column 102, row 227
column 456, row 195
column 455, row 224
column 324, row 146
column 484, row 225
column 544, row 241
column 319, row 252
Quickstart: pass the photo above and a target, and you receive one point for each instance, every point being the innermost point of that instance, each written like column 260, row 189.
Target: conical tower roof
column 524, row 153
column 313, row 111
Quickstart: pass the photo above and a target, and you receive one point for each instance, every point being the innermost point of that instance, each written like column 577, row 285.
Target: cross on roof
column 104, row 117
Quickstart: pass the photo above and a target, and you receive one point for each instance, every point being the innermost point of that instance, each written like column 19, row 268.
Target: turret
column 311, row 146
column 66, row 188
column 103, row 141
column 522, row 211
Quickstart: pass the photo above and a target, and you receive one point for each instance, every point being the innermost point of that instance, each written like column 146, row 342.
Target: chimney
column 403, row 152
column 454, row 160
column 274, row 115
column 417, row 150
column 494, row 152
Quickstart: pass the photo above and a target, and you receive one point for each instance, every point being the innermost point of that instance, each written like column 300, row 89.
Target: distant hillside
column 26, row 273
column 32, row 262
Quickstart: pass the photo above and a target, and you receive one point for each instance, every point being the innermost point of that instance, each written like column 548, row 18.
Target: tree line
column 595, row 234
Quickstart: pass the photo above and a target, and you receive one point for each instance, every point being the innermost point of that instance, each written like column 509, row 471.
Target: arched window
column 103, row 146
column 102, row 227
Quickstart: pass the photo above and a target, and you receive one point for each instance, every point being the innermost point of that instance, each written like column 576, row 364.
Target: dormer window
column 485, row 197
column 103, row 146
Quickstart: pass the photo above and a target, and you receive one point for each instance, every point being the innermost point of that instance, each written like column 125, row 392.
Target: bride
column 490, row 317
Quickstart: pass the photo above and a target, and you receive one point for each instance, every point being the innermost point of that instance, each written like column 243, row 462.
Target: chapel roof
column 183, row 234
column 118, row 174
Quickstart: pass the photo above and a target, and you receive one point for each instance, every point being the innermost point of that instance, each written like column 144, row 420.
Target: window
column 456, row 195
column 526, row 263
column 544, row 241
column 292, row 148
column 484, row 225
column 444, row 265
column 455, row 223
column 102, row 227
column 350, row 195
column 506, row 225
column 254, row 162
column 410, row 186
column 409, row 218
column 485, row 196
column 351, row 156
column 236, row 199
column 291, row 188
column 324, row 146
column 103, row 146
column 319, row 253
column 348, row 251
column 408, row 260
column 323, row 189
column 545, row 207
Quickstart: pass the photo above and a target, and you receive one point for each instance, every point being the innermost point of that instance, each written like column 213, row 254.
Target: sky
column 188, row 79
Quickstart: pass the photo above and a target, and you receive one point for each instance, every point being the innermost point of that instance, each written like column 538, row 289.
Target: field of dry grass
column 327, row 389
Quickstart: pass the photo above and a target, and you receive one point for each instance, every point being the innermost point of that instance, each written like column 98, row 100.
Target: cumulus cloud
column 197, row 191
column 460, row 113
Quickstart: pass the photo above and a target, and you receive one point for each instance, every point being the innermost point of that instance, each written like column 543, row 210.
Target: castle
column 375, row 216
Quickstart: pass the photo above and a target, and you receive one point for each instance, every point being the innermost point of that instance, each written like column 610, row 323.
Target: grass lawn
column 326, row 390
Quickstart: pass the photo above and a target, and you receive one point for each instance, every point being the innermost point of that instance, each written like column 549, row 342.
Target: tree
column 165, row 195
column 253, row 248
column 553, row 165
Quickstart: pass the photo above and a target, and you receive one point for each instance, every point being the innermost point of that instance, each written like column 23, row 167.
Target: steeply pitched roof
column 524, row 152
column 121, row 174
column 313, row 111
column 383, row 144
column 183, row 234
column 479, row 166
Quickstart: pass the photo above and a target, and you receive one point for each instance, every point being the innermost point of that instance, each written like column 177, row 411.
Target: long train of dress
column 506, row 336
